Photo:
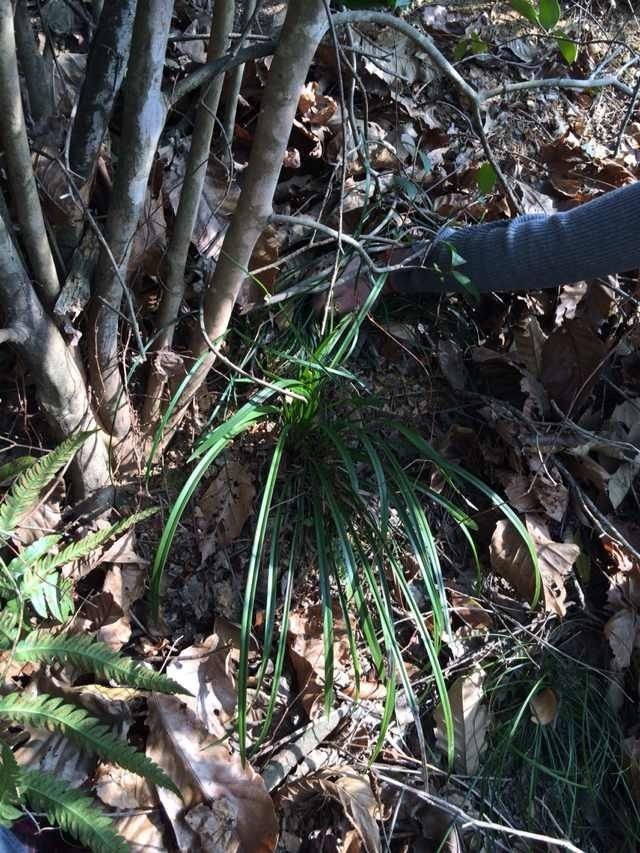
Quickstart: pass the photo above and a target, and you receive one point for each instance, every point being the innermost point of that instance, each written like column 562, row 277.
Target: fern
column 53, row 714
column 73, row 812
column 25, row 492
column 90, row 543
column 13, row 468
column 9, row 778
column 8, row 627
column 91, row 655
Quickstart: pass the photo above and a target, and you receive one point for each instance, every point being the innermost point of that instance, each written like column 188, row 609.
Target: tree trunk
column 234, row 79
column 196, row 172
column 60, row 385
column 106, row 67
column 144, row 116
column 13, row 137
column 303, row 29
column 32, row 64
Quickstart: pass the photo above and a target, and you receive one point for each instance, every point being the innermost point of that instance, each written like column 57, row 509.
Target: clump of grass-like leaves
column 555, row 759
column 336, row 486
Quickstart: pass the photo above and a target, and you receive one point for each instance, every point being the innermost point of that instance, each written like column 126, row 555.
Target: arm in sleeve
column 532, row 252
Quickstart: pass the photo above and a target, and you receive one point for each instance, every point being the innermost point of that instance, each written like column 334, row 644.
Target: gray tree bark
column 60, row 385
column 303, row 29
column 190, row 195
column 106, row 67
column 13, row 137
column 144, row 116
column 32, row 64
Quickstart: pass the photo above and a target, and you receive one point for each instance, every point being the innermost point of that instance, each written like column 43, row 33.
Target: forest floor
column 536, row 394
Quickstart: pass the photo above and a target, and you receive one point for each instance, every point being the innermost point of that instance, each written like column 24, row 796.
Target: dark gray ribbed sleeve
column 599, row 238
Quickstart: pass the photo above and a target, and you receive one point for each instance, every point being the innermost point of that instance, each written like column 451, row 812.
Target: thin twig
column 467, row 821
column 228, row 363
column 592, row 510
column 627, row 115
column 556, row 83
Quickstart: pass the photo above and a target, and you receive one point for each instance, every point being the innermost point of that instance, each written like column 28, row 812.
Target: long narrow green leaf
column 419, row 533
column 350, row 567
column 324, row 572
column 383, row 490
column 175, row 399
column 420, row 444
column 427, row 642
column 255, row 559
column 282, row 642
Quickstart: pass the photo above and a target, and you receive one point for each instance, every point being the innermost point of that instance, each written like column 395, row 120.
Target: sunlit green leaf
column 568, row 49
column 549, row 13
column 486, row 178
column 524, row 8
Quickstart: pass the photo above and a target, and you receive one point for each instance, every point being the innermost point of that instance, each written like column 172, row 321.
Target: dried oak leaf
column 511, row 560
column 571, row 359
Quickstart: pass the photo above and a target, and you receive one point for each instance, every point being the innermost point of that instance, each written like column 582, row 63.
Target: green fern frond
column 90, row 655
column 8, row 627
column 53, row 714
column 90, row 543
column 9, row 779
column 73, row 812
column 25, row 492
column 13, row 468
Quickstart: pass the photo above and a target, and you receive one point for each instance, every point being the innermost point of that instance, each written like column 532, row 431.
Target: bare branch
column 210, row 70
column 555, row 83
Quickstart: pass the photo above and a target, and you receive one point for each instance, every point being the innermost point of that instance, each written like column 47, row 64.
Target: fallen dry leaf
column 353, row 791
column 144, row 833
column 150, row 239
column 571, row 360
column 511, row 560
column 120, row 789
column 224, row 507
column 470, row 721
column 222, row 800
column 126, row 584
column 306, row 652
column 538, row 494
column 469, row 610
column 623, row 632
column 217, row 203
column 544, row 707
